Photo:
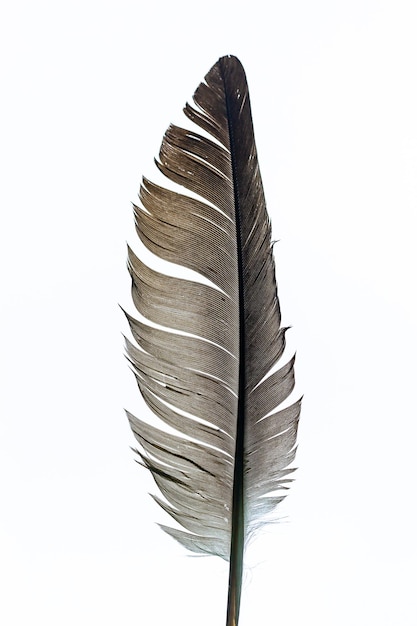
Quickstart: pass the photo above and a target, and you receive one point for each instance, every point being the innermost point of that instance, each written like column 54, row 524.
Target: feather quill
column 204, row 368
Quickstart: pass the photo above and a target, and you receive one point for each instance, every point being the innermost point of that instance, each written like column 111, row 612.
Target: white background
column 88, row 89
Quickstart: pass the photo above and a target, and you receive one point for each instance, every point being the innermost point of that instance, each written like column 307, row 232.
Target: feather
column 205, row 366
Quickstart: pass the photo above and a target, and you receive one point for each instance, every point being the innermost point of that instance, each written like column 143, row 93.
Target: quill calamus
column 207, row 371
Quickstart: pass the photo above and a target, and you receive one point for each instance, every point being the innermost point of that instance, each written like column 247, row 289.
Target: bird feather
column 206, row 365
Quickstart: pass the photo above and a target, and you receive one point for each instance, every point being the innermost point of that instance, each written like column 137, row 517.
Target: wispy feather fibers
column 226, row 469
